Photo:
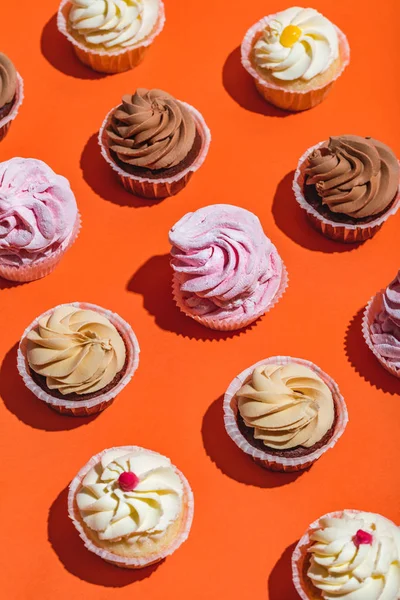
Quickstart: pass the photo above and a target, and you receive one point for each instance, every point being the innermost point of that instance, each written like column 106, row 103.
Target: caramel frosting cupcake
column 8, row 85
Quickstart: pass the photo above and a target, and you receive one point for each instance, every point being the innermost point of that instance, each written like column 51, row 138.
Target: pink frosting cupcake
column 39, row 219
column 227, row 273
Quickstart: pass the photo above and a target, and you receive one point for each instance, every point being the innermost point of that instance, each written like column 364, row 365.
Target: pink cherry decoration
column 127, row 481
column 363, row 537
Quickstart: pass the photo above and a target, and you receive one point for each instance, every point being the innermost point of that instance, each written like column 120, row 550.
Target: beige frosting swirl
column 78, row 351
column 287, row 405
column 8, row 80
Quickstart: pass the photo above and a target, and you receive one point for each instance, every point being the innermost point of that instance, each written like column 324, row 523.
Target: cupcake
column 78, row 357
column 112, row 36
column 284, row 412
column 154, row 143
column 381, row 326
column 131, row 506
column 294, row 57
column 348, row 186
column 348, row 554
column 227, row 273
column 11, row 94
column 39, row 219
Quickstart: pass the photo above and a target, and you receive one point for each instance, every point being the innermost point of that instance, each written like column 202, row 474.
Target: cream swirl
column 113, row 23
column 223, row 261
column 146, row 511
column 78, row 351
column 8, row 80
column 356, row 556
column 297, row 43
column 385, row 331
column 286, row 405
column 37, row 210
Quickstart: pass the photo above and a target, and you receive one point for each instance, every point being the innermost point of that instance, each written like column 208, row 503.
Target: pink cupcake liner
column 105, row 61
column 230, row 323
column 115, row 559
column 339, row 232
column 372, row 310
column 278, row 95
column 82, row 408
column 5, row 123
column 263, row 457
column 43, row 266
column 163, row 187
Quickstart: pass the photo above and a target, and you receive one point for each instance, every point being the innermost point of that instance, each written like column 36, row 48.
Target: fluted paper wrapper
column 120, row 561
column 339, row 232
column 280, row 96
column 5, row 123
column 43, row 266
column 162, row 187
column 263, row 457
column 372, row 310
column 82, row 408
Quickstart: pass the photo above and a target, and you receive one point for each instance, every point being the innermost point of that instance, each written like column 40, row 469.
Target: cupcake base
column 8, row 115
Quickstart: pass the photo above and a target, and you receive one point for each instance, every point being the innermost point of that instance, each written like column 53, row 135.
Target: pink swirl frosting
column 37, row 210
column 386, row 328
column 224, row 263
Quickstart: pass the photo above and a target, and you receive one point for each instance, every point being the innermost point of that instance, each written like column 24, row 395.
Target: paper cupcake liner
column 373, row 309
column 339, row 232
column 82, row 408
column 278, row 95
column 115, row 559
column 5, row 123
column 162, row 187
column 263, row 457
column 43, row 266
column 105, row 61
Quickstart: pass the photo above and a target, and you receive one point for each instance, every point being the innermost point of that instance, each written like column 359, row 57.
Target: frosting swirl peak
column 8, row 80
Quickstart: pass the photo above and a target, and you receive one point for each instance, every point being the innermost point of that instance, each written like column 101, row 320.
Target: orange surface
column 246, row 519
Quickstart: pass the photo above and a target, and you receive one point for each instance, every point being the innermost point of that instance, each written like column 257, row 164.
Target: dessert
column 348, row 186
column 284, row 412
column 348, row 554
column 111, row 36
column 131, row 506
column 39, row 219
column 11, row 93
column 154, row 142
column 78, row 357
column 294, row 57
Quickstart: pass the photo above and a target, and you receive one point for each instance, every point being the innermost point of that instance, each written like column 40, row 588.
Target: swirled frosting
column 286, row 405
column 78, row 351
column 8, row 80
column 224, row 263
column 37, row 210
column 297, row 43
column 356, row 556
column 132, row 516
column 113, row 24
column 151, row 129
column 385, row 331
column 353, row 175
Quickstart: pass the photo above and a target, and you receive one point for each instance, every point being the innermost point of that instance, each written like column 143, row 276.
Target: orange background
column 246, row 519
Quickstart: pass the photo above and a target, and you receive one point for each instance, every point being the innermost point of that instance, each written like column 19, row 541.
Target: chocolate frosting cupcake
column 8, row 85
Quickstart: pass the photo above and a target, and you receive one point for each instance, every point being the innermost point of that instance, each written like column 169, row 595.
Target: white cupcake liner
column 372, row 310
column 230, row 323
column 263, row 457
column 5, row 123
column 108, row 61
column 164, row 186
column 341, row 232
column 82, row 408
column 115, row 559
column 42, row 266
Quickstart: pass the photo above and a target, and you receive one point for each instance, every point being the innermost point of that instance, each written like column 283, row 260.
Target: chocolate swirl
column 355, row 176
column 8, row 80
column 152, row 130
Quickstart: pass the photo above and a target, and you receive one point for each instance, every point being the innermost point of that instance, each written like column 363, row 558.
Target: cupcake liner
column 278, row 95
column 82, row 408
column 43, row 266
column 236, row 322
column 162, row 187
column 105, row 61
column 339, row 232
column 5, row 123
column 263, row 457
column 120, row 561
column 372, row 310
